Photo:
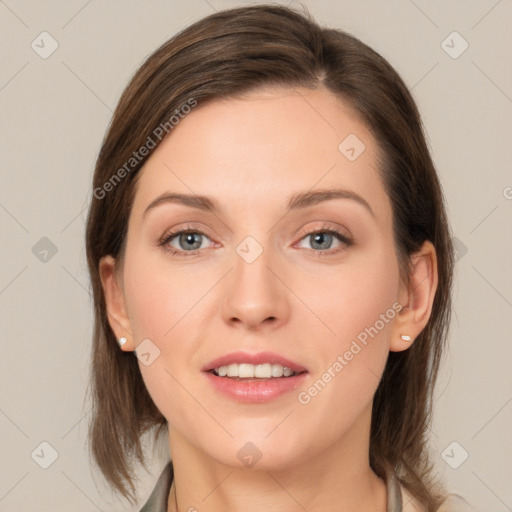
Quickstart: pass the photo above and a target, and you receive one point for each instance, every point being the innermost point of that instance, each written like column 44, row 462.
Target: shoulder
column 452, row 503
column 157, row 501
column 455, row 503
column 410, row 503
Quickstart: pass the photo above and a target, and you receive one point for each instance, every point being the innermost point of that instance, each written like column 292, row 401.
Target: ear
column 115, row 303
column 416, row 298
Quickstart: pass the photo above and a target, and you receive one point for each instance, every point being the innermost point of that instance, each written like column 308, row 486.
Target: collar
column 157, row 501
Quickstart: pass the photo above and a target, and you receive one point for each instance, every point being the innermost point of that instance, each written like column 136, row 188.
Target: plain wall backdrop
column 63, row 68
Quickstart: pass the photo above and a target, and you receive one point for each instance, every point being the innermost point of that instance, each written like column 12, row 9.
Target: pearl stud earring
column 405, row 337
column 122, row 341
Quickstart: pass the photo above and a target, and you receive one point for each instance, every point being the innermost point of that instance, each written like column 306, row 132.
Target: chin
column 257, row 452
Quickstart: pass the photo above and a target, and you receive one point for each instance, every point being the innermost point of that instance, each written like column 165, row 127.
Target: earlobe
column 420, row 292
column 115, row 303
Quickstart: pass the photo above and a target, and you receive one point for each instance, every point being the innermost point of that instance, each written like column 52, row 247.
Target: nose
column 257, row 297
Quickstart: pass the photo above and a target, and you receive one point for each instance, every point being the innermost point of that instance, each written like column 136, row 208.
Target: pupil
column 321, row 237
column 189, row 239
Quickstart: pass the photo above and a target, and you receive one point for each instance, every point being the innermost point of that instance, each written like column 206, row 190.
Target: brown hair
column 221, row 56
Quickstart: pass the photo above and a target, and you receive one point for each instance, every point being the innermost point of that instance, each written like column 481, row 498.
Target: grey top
column 157, row 501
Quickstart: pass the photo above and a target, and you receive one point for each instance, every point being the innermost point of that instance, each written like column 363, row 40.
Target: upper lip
column 258, row 358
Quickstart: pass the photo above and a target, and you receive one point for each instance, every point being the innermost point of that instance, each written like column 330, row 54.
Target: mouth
column 245, row 371
column 254, row 378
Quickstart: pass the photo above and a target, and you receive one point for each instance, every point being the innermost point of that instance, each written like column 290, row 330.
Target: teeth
column 251, row 371
column 287, row 372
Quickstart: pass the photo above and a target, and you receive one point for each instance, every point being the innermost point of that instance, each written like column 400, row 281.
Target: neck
column 338, row 479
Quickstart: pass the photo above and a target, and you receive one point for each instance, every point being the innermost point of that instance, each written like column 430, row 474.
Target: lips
column 254, row 359
column 254, row 389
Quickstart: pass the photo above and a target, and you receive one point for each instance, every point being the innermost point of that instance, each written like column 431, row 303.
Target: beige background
column 54, row 113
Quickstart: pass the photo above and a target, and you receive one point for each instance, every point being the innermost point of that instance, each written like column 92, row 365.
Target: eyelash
column 340, row 236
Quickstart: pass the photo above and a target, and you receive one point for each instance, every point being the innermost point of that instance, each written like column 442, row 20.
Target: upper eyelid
column 169, row 235
column 305, row 232
column 327, row 226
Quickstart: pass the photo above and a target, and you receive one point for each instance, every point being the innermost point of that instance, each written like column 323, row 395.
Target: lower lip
column 255, row 391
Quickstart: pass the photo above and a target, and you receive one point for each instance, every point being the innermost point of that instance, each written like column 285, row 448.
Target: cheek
column 163, row 305
column 157, row 295
column 356, row 307
column 353, row 296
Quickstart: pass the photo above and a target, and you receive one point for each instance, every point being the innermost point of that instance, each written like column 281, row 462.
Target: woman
column 268, row 238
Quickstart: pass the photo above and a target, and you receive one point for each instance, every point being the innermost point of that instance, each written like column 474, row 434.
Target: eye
column 186, row 241
column 322, row 240
column 189, row 241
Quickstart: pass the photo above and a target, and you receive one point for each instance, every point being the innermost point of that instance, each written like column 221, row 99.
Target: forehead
column 257, row 150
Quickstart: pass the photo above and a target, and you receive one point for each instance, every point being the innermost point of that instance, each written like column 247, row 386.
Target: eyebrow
column 296, row 201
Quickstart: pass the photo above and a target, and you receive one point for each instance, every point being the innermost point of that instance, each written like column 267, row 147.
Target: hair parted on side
column 221, row 56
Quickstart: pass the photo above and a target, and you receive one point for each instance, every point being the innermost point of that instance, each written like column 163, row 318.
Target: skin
column 251, row 154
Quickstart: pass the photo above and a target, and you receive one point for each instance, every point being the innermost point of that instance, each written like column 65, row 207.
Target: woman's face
column 260, row 278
